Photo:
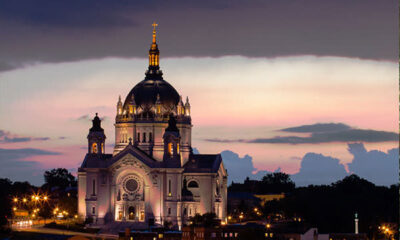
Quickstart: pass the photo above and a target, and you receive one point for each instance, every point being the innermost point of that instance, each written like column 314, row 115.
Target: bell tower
column 172, row 139
column 96, row 137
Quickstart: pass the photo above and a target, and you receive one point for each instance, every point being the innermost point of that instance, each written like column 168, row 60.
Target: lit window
column 177, row 148
column 102, row 147
column 94, row 148
column 169, row 188
column 170, row 149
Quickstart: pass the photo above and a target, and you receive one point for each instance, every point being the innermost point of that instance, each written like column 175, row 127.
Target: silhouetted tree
column 277, row 182
column 59, row 178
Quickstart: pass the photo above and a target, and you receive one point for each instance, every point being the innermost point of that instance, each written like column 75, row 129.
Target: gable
column 132, row 156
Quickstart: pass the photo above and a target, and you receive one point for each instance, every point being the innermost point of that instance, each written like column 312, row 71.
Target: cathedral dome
column 146, row 94
column 153, row 89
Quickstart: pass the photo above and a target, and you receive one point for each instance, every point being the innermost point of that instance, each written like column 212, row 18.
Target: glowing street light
column 268, row 225
column 14, row 208
column 24, row 200
column 45, row 198
column 15, row 199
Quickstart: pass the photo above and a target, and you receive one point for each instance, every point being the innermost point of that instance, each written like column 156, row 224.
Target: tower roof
column 96, row 125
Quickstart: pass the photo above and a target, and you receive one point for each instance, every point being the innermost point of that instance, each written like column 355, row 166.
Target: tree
column 277, row 182
column 59, row 178
column 205, row 220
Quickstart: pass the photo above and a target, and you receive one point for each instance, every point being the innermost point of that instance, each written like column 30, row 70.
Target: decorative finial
column 96, row 114
column 119, row 98
column 154, row 31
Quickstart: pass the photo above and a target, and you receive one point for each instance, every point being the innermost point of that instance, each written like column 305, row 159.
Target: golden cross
column 154, row 26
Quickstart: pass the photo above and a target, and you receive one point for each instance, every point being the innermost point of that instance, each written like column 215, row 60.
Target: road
column 63, row 232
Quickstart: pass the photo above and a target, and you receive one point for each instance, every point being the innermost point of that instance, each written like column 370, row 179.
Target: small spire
column 119, row 98
column 187, row 101
column 96, row 114
column 154, row 32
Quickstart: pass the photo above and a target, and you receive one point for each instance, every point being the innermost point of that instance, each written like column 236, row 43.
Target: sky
column 309, row 88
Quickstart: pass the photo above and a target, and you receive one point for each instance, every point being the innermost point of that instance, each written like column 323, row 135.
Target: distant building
column 238, row 200
column 264, row 198
column 152, row 176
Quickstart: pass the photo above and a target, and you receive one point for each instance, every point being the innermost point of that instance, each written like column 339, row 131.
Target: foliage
column 205, row 220
column 271, row 183
column 168, row 225
column 59, row 178
column 332, row 207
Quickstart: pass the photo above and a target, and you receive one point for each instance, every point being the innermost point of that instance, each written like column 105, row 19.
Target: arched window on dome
column 94, row 148
column 138, row 137
column 144, row 137
column 102, row 147
column 193, row 184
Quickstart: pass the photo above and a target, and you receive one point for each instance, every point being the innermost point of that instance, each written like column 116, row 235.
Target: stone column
column 147, row 207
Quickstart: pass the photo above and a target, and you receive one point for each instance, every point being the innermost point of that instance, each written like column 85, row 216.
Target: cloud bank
column 247, row 28
column 379, row 167
column 16, row 168
column 7, row 137
column 323, row 133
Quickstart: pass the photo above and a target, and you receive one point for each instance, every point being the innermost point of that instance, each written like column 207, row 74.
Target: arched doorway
column 131, row 213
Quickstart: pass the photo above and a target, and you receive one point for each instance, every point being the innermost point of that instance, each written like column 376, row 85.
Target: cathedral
column 152, row 175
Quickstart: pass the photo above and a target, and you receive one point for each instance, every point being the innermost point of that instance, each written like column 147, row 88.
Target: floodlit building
column 152, row 175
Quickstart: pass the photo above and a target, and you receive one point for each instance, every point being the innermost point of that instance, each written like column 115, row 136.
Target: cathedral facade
column 152, row 176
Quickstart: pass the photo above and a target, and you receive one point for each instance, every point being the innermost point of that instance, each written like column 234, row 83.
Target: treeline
column 332, row 207
column 59, row 187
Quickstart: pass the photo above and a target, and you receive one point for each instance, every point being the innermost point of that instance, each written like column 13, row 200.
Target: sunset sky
column 309, row 88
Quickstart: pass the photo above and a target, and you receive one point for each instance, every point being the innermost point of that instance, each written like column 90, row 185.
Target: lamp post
column 356, row 223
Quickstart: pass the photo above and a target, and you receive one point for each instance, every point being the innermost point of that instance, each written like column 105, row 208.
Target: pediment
column 131, row 156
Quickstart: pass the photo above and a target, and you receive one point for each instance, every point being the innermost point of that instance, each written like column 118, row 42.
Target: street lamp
column 15, row 199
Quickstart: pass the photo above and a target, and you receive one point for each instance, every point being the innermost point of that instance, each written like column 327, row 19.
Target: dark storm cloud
column 322, row 133
column 318, row 127
column 57, row 31
column 16, row 168
column 7, row 137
